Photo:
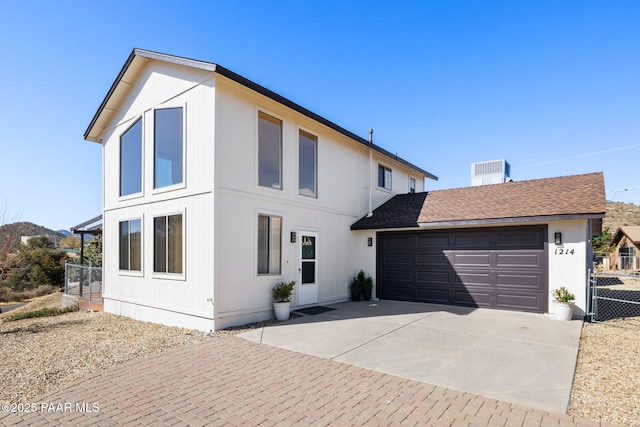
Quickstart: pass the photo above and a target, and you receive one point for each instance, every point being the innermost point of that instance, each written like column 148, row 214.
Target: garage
column 492, row 267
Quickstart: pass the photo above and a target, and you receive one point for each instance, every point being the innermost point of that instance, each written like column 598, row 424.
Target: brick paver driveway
column 232, row 381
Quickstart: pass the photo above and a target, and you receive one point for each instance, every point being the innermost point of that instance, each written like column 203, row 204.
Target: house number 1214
column 563, row 251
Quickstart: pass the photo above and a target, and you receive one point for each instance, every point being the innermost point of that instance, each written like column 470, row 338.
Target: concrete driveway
column 522, row 358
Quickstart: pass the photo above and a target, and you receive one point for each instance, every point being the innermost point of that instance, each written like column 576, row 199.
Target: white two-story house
column 215, row 189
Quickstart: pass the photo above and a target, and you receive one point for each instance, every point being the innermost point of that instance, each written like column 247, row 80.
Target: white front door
column 307, row 268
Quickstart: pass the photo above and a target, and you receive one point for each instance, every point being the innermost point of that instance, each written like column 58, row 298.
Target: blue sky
column 550, row 86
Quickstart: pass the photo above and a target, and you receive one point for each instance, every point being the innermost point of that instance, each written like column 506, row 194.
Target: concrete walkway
column 522, row 358
column 233, row 381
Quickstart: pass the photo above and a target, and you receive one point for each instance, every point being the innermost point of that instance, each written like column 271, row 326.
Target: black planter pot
column 366, row 294
column 355, row 295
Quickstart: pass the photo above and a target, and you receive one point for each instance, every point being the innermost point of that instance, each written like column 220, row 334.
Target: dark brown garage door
column 502, row 267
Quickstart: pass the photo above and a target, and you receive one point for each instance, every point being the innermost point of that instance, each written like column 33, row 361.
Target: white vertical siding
column 183, row 300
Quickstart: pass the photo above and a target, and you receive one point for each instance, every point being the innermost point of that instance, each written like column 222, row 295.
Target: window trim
column 384, row 186
column 182, row 184
column 136, row 273
column 414, row 184
column 257, row 244
column 142, row 162
column 164, row 274
column 266, row 112
column 300, row 131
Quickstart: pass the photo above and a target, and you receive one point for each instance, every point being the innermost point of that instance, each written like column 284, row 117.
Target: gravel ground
column 42, row 354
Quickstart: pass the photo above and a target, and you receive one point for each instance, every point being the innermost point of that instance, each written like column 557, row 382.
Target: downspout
column 370, row 213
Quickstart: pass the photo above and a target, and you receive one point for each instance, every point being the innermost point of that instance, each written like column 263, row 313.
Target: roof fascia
column 494, row 221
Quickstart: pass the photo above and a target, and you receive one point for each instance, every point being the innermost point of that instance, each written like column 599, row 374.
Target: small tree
column 93, row 251
column 602, row 242
column 37, row 263
column 70, row 242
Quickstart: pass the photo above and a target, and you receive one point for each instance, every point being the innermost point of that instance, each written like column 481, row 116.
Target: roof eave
column 512, row 220
column 142, row 54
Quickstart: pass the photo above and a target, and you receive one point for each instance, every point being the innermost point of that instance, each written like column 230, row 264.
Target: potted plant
column 362, row 284
column 356, row 289
column 366, row 282
column 282, row 299
column 563, row 302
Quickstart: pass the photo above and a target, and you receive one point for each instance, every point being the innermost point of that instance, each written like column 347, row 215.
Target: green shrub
column 43, row 312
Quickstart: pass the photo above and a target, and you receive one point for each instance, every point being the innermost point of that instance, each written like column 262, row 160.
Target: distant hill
column 621, row 214
column 20, row 229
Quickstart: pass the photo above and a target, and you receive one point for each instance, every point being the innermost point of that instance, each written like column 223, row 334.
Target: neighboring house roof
column 139, row 57
column 632, row 233
column 567, row 197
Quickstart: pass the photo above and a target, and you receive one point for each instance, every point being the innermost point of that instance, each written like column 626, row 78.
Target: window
column 269, row 242
column 307, row 164
column 168, row 146
column 384, row 177
column 269, row 151
column 131, row 245
column 412, row 185
column 167, row 244
column 131, row 160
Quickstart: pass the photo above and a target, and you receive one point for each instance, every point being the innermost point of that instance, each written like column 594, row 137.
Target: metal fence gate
column 83, row 282
column 614, row 293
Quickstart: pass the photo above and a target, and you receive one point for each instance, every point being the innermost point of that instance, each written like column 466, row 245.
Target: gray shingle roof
column 574, row 195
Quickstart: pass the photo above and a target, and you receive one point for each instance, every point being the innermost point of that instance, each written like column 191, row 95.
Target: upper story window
column 307, row 164
column 269, row 244
column 131, row 160
column 168, row 147
column 167, row 244
column 412, row 185
column 269, row 151
column 384, row 177
column 131, row 245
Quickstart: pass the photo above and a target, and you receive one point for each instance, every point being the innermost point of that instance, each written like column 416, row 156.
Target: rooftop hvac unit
column 491, row 172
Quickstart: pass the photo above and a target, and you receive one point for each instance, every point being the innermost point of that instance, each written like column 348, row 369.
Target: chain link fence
column 614, row 290
column 84, row 282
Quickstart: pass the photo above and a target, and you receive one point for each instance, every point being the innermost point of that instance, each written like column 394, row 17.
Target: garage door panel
column 514, row 301
column 398, row 275
column 399, row 241
column 467, row 240
column 432, row 295
column 494, row 267
column 434, row 240
column 474, row 298
column 432, row 278
column 518, row 260
column 436, row 261
column 398, row 258
column 473, row 279
column 530, row 239
column 471, row 259
column 531, row 281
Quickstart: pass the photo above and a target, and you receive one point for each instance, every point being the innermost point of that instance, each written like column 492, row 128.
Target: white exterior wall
column 220, row 201
column 179, row 300
column 345, row 172
column 569, row 262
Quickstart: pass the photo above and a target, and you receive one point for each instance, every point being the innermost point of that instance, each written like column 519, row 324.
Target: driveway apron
column 522, row 358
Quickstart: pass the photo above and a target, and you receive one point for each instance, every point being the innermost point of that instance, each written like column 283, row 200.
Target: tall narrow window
column 131, row 160
column 307, row 164
column 384, row 177
column 269, row 241
column 412, row 185
column 168, row 139
column 167, row 243
column 269, row 151
column 131, row 245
